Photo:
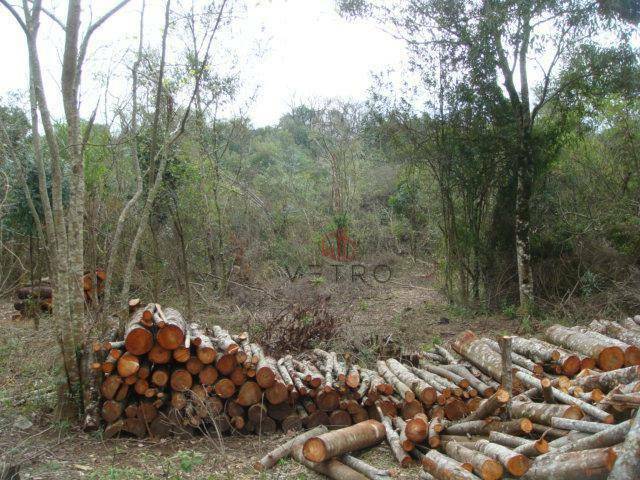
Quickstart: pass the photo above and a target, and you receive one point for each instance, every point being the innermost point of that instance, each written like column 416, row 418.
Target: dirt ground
column 407, row 310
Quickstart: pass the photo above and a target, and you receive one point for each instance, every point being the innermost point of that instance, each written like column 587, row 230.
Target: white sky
column 288, row 51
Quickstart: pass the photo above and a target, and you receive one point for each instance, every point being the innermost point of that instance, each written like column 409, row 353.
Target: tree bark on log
column 579, row 425
column 544, row 412
column 483, row 427
column 345, row 440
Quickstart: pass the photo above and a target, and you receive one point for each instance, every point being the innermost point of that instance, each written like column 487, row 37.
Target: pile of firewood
column 559, row 408
column 33, row 299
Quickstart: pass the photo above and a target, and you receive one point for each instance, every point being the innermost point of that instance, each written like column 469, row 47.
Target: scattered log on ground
column 345, row 440
column 369, row 471
column 443, row 467
column 515, row 463
column 403, row 458
column 284, row 450
column 580, row 465
column 485, row 467
column 332, row 468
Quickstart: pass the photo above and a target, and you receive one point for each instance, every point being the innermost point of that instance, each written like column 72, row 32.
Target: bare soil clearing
column 406, row 311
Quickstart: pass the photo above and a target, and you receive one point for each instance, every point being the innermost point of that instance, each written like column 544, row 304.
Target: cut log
column 401, row 388
column 489, row 406
column 38, row 291
column 345, row 440
column 628, row 462
column 403, row 458
column 443, row 467
column 181, row 380
column 138, row 339
column 423, row 391
column 159, row 355
column 483, row 427
column 607, row 354
column 372, row 473
column 224, row 388
column 417, row 428
column 331, row 468
column 172, row 334
column 606, row 438
column 448, row 374
column 544, row 412
column 515, row 463
column 529, row 448
column 208, row 375
column 435, row 427
column 479, row 354
column 111, row 410
column 401, row 426
column 485, row 467
column 631, row 351
column 583, row 465
column 609, row 380
column 206, row 352
column 110, row 386
column 568, row 399
column 484, row 389
column 284, row 450
column 352, row 379
column 578, row 425
column 224, row 341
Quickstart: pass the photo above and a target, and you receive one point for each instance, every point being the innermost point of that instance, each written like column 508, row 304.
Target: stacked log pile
column 39, row 298
column 36, row 298
column 522, row 407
